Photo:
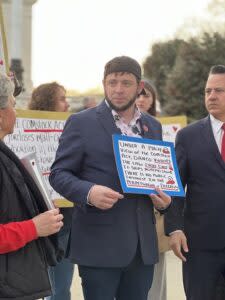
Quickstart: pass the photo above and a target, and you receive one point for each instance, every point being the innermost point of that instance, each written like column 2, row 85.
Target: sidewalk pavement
column 174, row 280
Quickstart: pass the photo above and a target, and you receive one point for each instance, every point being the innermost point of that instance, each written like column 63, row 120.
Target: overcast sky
column 73, row 39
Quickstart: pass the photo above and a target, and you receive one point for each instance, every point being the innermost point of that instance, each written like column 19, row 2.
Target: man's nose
column 119, row 87
column 212, row 95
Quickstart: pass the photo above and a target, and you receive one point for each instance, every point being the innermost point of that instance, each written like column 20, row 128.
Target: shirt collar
column 116, row 117
column 216, row 124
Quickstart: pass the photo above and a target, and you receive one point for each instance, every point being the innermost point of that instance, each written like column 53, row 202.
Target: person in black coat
column 23, row 271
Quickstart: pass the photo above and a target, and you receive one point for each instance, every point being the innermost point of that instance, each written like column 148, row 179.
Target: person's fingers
column 60, row 217
column 161, row 199
column 184, row 245
column 160, row 192
column 55, row 211
column 105, row 206
column 179, row 254
column 162, row 195
column 113, row 194
column 120, row 196
column 178, row 243
column 158, row 203
column 59, row 225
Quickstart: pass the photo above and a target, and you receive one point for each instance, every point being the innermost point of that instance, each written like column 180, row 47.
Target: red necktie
column 223, row 143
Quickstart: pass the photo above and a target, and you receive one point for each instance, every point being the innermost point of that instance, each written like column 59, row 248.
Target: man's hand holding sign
column 145, row 167
column 161, row 200
column 104, row 198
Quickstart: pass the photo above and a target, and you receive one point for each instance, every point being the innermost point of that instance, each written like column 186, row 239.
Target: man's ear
column 103, row 84
column 140, row 86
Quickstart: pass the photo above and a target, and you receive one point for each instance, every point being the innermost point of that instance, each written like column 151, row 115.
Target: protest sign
column 145, row 164
column 171, row 125
column 38, row 132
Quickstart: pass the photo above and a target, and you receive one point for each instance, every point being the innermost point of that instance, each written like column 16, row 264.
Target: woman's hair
column 43, row 97
column 148, row 85
column 6, row 90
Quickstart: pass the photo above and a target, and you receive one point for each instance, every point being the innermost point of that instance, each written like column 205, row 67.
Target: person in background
column 89, row 102
column 49, row 97
column 146, row 102
column 195, row 223
column 23, row 217
column 52, row 97
column 113, row 238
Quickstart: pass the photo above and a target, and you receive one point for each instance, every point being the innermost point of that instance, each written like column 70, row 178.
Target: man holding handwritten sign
column 113, row 238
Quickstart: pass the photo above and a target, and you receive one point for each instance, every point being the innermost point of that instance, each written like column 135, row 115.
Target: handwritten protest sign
column 171, row 125
column 144, row 164
column 38, row 132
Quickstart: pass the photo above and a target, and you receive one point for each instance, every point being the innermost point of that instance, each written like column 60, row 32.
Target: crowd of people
column 111, row 235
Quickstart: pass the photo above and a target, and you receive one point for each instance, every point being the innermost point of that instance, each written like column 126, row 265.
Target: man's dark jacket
column 102, row 238
column 23, row 273
column 202, row 170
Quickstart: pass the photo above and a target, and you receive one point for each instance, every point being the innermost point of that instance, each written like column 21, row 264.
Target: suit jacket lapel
column 210, row 140
column 105, row 117
column 148, row 131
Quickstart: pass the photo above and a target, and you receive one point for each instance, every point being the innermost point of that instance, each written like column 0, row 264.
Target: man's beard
column 121, row 108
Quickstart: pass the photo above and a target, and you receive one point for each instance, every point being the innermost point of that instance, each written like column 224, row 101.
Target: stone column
column 26, row 43
column 6, row 5
column 16, row 38
column 18, row 27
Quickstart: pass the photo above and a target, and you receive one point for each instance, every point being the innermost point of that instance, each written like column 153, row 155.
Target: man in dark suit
column 196, row 224
column 113, row 237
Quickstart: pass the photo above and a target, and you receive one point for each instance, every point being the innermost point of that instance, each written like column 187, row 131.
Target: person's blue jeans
column 61, row 275
column 61, row 278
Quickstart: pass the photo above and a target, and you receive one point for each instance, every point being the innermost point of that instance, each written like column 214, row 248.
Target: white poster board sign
column 38, row 132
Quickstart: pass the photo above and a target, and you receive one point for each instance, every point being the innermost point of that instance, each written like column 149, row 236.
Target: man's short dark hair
column 217, row 69
column 123, row 64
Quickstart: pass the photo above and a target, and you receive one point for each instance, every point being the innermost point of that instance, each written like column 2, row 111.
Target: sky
column 73, row 39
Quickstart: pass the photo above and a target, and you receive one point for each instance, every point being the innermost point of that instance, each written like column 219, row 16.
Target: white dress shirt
column 217, row 131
